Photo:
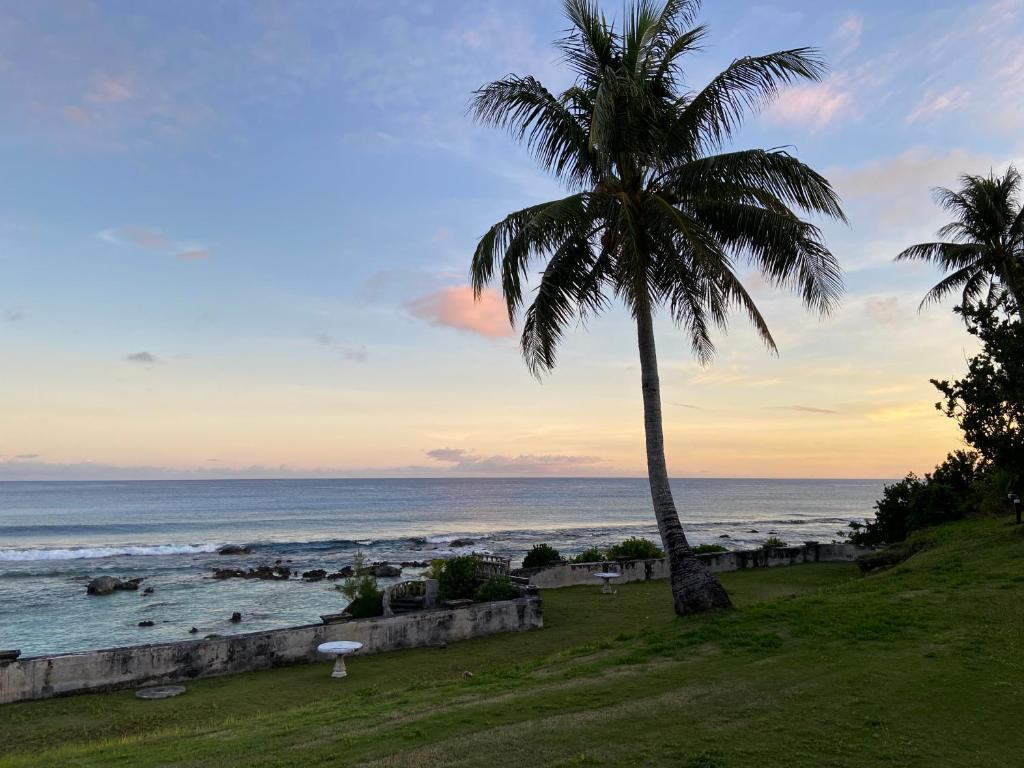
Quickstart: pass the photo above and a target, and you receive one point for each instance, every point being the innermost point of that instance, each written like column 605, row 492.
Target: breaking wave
column 84, row 553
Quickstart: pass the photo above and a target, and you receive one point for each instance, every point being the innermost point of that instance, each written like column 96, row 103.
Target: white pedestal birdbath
column 607, row 577
column 338, row 649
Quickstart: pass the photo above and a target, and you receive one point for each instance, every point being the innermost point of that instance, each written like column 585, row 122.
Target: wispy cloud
column 469, row 462
column 849, row 33
column 800, row 408
column 138, row 236
column 154, row 239
column 142, row 358
column 344, row 350
column 817, row 105
column 13, row 315
column 455, row 307
column 933, row 104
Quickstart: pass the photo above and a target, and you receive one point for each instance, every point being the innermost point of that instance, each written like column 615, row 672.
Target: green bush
column 709, row 549
column 590, row 555
column 952, row 491
column 456, row 577
column 496, row 588
column 635, row 549
column 773, row 542
column 541, row 556
column 366, row 599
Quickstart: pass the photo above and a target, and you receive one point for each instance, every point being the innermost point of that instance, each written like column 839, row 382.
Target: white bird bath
column 607, row 577
column 338, row 649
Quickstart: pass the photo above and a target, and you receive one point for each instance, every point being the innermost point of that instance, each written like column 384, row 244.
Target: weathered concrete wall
column 571, row 574
column 44, row 676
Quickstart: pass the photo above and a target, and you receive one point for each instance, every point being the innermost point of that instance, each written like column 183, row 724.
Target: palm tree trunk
column 694, row 588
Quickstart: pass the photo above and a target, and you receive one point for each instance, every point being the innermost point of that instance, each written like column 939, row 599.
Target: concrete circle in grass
column 160, row 692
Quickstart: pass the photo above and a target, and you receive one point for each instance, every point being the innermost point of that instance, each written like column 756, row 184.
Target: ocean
column 56, row 536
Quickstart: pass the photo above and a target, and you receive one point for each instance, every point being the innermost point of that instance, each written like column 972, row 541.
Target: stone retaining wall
column 44, row 676
column 571, row 574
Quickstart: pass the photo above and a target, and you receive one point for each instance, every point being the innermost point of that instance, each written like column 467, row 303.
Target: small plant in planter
column 496, row 588
column 590, row 555
column 773, row 542
column 366, row 598
column 635, row 549
column 709, row 549
column 542, row 556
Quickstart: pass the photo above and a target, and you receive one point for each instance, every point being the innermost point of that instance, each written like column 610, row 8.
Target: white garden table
column 607, row 576
column 338, row 649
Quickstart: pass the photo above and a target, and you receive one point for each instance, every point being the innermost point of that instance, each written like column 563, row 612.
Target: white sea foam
column 83, row 553
column 449, row 538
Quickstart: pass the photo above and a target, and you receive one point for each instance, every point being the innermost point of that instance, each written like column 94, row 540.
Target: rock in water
column 233, row 549
column 236, row 617
column 455, row 543
column 386, row 571
column 105, row 585
column 146, row 623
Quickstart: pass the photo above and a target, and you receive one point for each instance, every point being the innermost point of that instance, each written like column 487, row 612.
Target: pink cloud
column 455, row 307
column 817, row 105
column 933, row 104
column 109, row 90
column 194, row 254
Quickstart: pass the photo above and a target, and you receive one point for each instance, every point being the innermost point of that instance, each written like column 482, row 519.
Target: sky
column 235, row 238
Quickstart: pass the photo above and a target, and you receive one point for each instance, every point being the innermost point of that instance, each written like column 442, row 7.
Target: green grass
column 921, row 665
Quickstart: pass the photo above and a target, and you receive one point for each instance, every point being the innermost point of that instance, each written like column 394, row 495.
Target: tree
column 988, row 402
column 657, row 215
column 982, row 252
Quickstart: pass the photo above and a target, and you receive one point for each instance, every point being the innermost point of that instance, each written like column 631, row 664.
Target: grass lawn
column 922, row 665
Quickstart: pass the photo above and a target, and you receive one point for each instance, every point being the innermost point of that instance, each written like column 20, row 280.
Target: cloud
column 933, row 104
column 849, row 33
column 193, row 254
column 816, row 105
column 142, row 237
column 800, row 408
column 883, row 311
column 143, row 358
column 14, row 315
column 469, row 462
column 27, row 456
column 108, row 90
column 345, row 351
column 139, row 236
column 688, row 405
column 455, row 307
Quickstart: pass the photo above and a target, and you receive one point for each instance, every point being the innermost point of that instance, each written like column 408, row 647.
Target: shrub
column 635, row 549
column 951, row 492
column 708, row 549
column 590, row 555
column 456, row 578
column 366, row 599
column 541, row 556
column 496, row 588
column 773, row 542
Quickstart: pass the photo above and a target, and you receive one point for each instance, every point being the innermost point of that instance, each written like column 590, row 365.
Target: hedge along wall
column 570, row 574
column 44, row 676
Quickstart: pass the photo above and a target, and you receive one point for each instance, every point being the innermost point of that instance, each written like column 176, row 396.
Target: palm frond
column 520, row 236
column 748, row 84
column 775, row 173
column 552, row 133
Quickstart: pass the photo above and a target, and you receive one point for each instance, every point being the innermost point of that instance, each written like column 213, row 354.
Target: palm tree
column 656, row 215
column 983, row 249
